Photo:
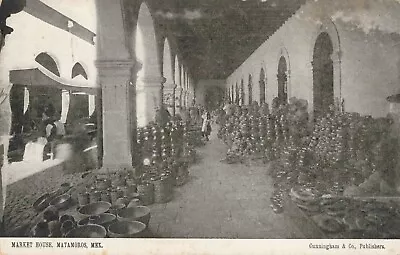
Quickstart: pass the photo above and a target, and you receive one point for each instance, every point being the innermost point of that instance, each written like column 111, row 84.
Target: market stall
column 66, row 97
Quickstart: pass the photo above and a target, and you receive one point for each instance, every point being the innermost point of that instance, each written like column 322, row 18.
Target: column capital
column 112, row 68
column 170, row 86
column 152, row 79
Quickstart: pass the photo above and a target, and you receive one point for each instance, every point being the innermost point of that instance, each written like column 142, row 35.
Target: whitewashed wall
column 366, row 34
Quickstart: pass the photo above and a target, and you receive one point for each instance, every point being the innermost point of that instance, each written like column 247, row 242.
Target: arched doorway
column 147, row 91
column 42, row 96
column 232, row 95
column 282, row 80
column 323, row 90
column 241, row 94
column 237, row 96
column 262, row 86
column 78, row 105
column 250, row 89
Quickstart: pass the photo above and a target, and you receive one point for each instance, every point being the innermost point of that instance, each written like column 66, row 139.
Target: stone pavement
column 221, row 201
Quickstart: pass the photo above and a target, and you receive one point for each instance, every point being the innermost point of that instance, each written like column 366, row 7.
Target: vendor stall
column 66, row 97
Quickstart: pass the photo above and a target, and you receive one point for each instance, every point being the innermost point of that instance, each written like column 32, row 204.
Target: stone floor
column 221, row 201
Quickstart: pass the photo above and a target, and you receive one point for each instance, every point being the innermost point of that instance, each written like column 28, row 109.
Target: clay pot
column 139, row 213
column 88, row 231
column 67, row 226
column 83, row 198
column 126, row 229
column 114, row 209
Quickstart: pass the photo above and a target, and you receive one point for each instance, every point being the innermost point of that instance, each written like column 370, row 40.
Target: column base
column 111, row 169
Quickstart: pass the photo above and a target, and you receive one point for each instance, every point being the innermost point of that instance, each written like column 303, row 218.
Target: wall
column 203, row 85
column 365, row 35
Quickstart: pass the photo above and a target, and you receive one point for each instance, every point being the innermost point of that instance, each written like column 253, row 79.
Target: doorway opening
column 282, row 80
column 250, row 89
column 323, row 91
column 262, row 86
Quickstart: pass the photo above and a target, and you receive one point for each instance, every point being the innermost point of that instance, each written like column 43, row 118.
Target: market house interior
column 200, row 119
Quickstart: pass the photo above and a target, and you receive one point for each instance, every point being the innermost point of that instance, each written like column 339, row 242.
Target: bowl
column 88, row 231
column 125, row 229
column 61, row 202
column 66, row 217
column 104, row 219
column 42, row 202
column 93, row 209
column 138, row 213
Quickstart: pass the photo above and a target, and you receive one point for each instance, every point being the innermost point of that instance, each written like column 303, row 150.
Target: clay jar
column 95, row 196
column 115, row 194
column 103, row 184
column 83, row 198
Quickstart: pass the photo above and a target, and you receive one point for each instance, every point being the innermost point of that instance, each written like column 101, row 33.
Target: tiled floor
column 221, row 201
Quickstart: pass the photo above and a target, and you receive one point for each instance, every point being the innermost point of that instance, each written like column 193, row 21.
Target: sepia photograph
column 200, row 119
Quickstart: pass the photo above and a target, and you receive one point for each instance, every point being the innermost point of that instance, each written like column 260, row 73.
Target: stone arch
column 329, row 27
column 167, row 63
column 149, row 80
column 168, row 91
column 146, row 43
column 49, row 62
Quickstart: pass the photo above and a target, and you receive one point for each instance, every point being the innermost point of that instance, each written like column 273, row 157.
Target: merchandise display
column 321, row 165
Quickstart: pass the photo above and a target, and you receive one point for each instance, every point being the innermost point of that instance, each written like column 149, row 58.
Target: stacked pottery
column 146, row 192
column 163, row 188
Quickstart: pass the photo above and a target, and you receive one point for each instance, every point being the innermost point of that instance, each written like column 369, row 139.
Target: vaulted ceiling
column 215, row 36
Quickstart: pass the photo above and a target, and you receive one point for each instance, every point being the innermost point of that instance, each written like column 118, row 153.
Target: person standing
column 206, row 127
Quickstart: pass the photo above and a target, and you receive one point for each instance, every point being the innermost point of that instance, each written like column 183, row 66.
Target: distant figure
column 206, row 127
column 49, row 128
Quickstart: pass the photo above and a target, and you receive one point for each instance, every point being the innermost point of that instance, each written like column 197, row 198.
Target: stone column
column 114, row 78
column 149, row 95
column 169, row 97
